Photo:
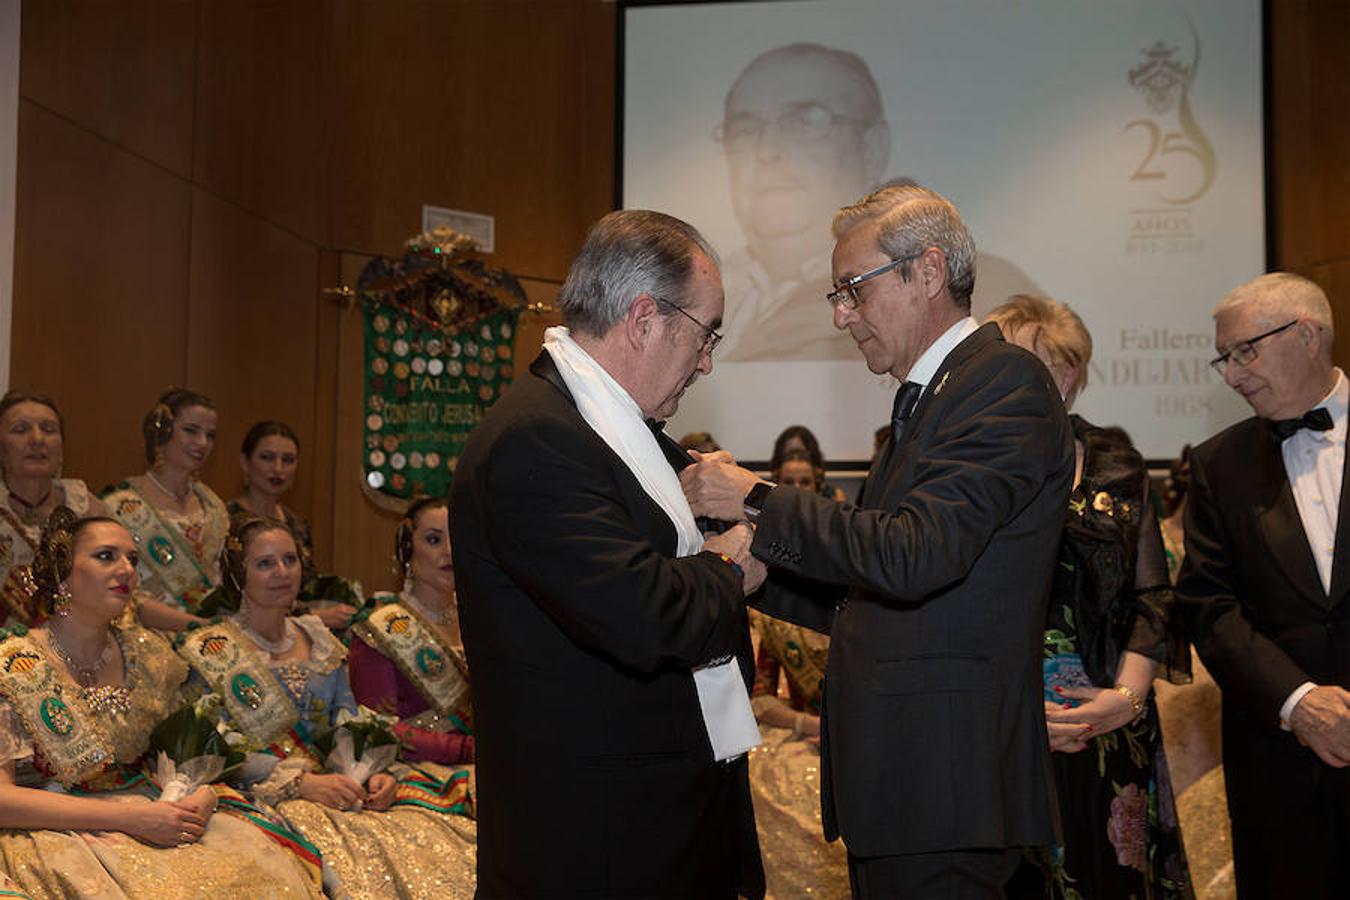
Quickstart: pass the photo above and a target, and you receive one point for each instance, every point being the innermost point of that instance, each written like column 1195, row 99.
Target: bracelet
column 740, row 573
column 1136, row 702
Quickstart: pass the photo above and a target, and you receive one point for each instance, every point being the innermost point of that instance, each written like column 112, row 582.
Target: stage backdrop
column 1106, row 154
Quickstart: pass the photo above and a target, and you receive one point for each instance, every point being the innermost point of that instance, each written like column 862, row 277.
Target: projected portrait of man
column 804, row 132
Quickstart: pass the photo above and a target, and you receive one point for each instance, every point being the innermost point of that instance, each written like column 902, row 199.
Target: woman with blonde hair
column 1110, row 629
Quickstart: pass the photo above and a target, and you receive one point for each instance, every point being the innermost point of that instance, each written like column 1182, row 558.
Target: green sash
column 65, row 730
column 164, row 549
column 230, row 663
column 398, row 631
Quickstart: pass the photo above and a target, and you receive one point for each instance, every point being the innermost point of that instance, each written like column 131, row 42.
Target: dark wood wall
column 193, row 173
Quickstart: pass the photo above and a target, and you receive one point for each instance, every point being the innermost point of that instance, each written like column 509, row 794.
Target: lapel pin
column 945, row 375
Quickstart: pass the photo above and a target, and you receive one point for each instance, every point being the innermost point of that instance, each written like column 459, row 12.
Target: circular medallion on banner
column 376, row 402
column 374, row 422
column 485, row 332
column 401, row 388
column 471, row 369
column 400, row 370
column 376, row 458
column 430, row 662
column 507, row 371
column 489, row 373
column 375, row 480
column 485, row 392
column 161, row 549
column 390, row 443
column 372, row 441
column 506, row 330
column 56, row 716
column 415, row 345
column 455, row 368
column 486, row 354
column 435, row 367
column 246, row 690
column 400, row 326
column 419, row 365
column 378, row 383
column 450, row 463
column 397, row 482
column 470, row 348
column 398, row 461
column 382, row 344
column 379, row 365
column 415, row 459
column 503, row 351
column 400, row 347
column 433, row 459
column 381, row 323
column 454, row 349
column 434, row 347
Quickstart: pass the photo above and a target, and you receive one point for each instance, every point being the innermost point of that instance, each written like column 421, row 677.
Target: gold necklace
column 85, row 676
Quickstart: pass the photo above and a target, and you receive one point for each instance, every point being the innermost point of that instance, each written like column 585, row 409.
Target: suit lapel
column 946, row 378
column 1282, row 527
column 1340, row 560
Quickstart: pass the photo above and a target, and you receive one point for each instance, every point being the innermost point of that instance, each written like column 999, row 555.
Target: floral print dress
column 1111, row 593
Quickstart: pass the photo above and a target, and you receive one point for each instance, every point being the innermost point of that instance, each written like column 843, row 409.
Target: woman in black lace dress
column 1109, row 632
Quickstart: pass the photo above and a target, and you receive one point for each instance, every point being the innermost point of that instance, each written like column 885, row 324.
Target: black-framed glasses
column 711, row 337
column 845, row 294
column 1243, row 352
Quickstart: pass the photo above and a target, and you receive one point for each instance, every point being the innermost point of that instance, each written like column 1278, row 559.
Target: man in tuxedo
column 934, row 756
column 1265, row 588
column 607, row 640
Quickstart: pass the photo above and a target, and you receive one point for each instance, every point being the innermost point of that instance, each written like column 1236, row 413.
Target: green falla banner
column 440, row 331
column 426, row 389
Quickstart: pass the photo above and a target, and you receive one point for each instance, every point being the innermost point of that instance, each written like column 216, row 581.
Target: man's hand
column 717, row 489
column 755, row 574
column 735, row 544
column 1321, row 722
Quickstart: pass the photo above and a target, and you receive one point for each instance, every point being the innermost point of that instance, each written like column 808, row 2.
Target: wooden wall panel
column 122, row 70
column 252, row 338
column 100, row 288
column 260, row 138
column 499, row 108
column 1310, row 56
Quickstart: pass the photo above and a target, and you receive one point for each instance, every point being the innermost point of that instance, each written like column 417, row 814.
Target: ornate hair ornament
column 162, row 418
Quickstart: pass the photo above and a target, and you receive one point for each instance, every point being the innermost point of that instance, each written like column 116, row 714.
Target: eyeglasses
column 800, row 123
column 1243, row 352
column 845, row 294
column 711, row 338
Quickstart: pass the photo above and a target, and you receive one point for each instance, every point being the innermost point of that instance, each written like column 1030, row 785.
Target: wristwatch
column 755, row 499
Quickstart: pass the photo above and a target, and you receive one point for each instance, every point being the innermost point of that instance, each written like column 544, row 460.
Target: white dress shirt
column 1314, row 461
column 932, row 359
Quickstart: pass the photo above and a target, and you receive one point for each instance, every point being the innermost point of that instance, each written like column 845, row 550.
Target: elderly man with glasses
column 1265, row 588
column 935, row 762
column 608, row 637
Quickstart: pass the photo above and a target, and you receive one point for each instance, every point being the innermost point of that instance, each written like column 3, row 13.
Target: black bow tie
column 1314, row 420
column 655, row 426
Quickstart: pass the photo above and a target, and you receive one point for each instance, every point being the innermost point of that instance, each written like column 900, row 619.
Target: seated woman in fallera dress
column 283, row 681
column 178, row 522
column 406, row 653
column 268, row 458
column 785, row 770
column 78, row 701
column 32, row 438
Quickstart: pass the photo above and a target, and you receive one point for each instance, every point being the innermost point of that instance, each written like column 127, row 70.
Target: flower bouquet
column 359, row 744
column 195, row 746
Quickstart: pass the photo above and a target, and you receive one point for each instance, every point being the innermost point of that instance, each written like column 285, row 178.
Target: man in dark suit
column 1265, row 588
column 934, row 588
column 585, row 604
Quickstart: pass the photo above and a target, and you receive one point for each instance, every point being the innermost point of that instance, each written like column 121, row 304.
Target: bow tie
column 1314, row 420
column 658, row 427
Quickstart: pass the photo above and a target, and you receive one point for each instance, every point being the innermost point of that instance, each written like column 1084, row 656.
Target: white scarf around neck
column 615, row 416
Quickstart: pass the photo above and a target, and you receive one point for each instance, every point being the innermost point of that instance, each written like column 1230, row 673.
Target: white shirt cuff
column 1288, row 709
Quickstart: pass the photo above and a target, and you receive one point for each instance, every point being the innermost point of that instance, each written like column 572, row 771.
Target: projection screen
column 1106, row 154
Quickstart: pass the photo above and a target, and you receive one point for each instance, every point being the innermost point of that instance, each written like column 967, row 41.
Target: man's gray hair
column 627, row 253
column 912, row 219
column 1281, row 294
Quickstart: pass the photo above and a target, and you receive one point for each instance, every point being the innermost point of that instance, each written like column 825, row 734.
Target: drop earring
column 61, row 602
column 407, row 579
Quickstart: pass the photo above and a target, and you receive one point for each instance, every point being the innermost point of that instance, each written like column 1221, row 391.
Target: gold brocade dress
column 785, row 770
column 424, row 846
column 233, row 859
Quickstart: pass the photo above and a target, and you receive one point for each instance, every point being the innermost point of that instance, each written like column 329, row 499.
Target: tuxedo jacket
column 933, row 734
column 1254, row 603
column 595, row 774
